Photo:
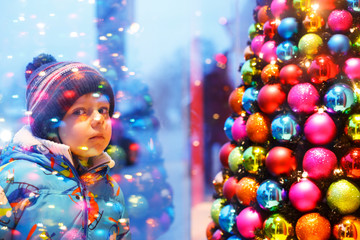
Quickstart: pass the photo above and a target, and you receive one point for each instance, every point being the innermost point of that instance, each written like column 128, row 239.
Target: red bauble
column 290, row 74
column 322, row 68
column 350, row 163
column 224, row 153
column 280, row 160
column 229, row 189
column 270, row 98
column 270, row 28
column 210, row 230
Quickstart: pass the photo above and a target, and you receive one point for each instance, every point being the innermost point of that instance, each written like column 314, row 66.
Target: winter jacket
column 42, row 196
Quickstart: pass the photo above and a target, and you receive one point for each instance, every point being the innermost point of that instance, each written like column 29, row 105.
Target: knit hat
column 53, row 87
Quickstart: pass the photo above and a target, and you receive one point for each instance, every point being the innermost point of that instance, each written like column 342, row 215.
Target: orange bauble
column 258, row 128
column 211, row 228
column 271, row 73
column 246, row 190
column 262, row 14
column 235, row 99
column 313, row 226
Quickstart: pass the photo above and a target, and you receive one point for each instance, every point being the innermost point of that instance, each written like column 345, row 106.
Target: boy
column 54, row 181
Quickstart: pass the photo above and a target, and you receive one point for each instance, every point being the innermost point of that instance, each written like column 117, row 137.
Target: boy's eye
column 79, row 112
column 104, row 110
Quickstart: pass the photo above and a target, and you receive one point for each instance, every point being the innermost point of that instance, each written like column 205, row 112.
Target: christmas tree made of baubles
column 291, row 169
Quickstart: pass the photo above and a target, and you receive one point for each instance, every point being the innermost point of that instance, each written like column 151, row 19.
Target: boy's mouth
column 97, row 137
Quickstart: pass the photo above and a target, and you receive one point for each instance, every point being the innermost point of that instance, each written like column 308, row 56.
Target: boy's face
column 86, row 127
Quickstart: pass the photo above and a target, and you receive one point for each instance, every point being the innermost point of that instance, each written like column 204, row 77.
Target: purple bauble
column 257, row 43
column 268, row 51
column 319, row 163
column 248, row 221
column 238, row 129
column 352, row 68
column 340, row 20
column 303, row 98
column 320, row 129
column 304, row 195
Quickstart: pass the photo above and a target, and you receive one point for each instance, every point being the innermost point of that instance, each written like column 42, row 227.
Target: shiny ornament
column 290, row 74
column 270, row 98
column 262, row 14
column 248, row 221
column 322, row 68
column 313, row 226
column 303, row 98
column 340, row 20
column 353, row 5
column 286, row 51
column 347, row 229
column 268, row 51
column 313, row 21
column 219, row 181
column 258, row 128
column 350, row 163
column 249, row 100
column 137, row 206
column 352, row 68
column 352, row 128
column 238, row 130
column 254, row 30
column 257, row 43
column 278, row 228
column 284, row 128
column 280, row 160
column 326, row 4
column 248, row 53
column 263, row 2
column 236, row 159
column 227, row 218
column 254, row 158
column 270, row 195
column 229, row 188
column 355, row 40
column 210, row 229
column 234, row 238
column 216, row 207
column 218, row 235
column 339, row 44
column 319, row 163
column 343, row 196
column 320, row 129
column 246, row 190
column 250, row 70
column 339, row 98
column 225, row 150
column 270, row 73
column 278, row 7
column 310, row 44
column 304, row 195
column 288, row 27
column 227, row 127
column 302, row 5
column 235, row 99
column 270, row 28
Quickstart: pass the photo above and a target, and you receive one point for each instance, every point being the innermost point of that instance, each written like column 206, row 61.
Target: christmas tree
column 291, row 168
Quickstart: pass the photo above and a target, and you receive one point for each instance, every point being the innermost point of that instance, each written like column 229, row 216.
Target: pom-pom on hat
column 53, row 87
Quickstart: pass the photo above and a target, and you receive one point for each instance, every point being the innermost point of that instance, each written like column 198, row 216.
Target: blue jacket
column 42, row 196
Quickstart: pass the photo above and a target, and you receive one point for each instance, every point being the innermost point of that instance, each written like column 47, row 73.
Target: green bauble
column 235, row 159
column 216, row 207
column 277, row 228
column 250, row 70
column 254, row 158
column 254, row 30
column 343, row 196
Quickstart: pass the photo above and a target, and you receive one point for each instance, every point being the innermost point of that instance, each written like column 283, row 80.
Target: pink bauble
column 303, row 98
column 278, row 7
column 257, row 43
column 320, row 129
column 340, row 20
column 248, row 221
column 304, row 195
column 352, row 68
column 229, row 188
column 268, row 51
column 270, row 98
column 238, row 130
column 225, row 150
column 319, row 163
column 217, row 235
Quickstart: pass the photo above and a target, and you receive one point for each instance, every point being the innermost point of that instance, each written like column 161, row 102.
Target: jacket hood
column 51, row 155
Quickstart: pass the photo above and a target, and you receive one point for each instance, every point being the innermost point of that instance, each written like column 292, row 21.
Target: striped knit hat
column 53, row 87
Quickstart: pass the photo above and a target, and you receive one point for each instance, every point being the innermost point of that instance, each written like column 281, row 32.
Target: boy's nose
column 97, row 119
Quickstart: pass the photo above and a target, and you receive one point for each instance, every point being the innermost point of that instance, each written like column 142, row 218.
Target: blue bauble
column 286, row 51
column 233, row 237
column 227, row 127
column 249, row 100
column 285, row 128
column 339, row 98
column 339, row 44
column 287, row 27
column 353, row 5
column 227, row 218
column 269, row 195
